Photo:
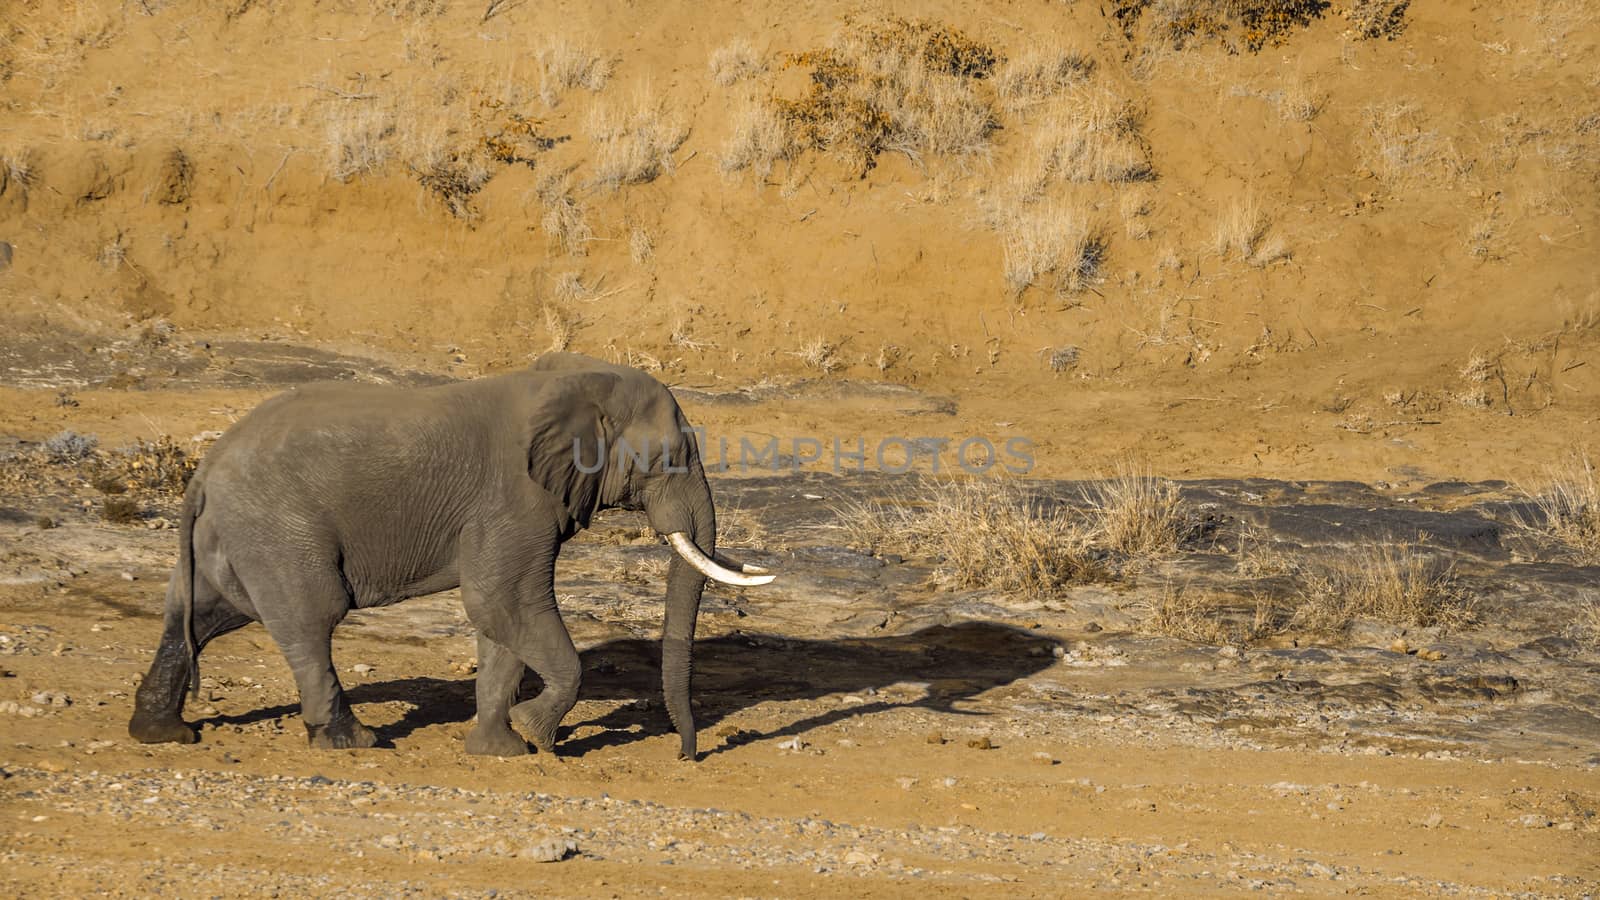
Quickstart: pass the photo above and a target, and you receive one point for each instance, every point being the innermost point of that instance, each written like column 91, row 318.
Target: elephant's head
column 610, row 436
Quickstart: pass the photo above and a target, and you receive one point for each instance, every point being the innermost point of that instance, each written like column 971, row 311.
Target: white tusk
column 711, row 568
column 746, row 568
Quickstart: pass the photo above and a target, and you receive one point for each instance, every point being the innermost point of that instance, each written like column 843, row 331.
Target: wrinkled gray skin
column 342, row 496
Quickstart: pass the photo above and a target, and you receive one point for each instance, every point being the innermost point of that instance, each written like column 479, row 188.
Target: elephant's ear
column 568, row 437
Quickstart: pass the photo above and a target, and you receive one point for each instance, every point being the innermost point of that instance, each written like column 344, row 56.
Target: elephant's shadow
column 740, row 670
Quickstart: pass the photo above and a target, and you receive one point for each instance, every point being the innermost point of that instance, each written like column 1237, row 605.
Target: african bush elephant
column 339, row 496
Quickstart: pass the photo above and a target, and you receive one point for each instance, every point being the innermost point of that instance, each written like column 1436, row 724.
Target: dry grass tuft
column 820, row 355
column 640, row 245
column 1137, row 514
column 636, row 142
column 1093, row 135
column 1299, row 102
column 986, row 534
column 1241, row 227
column 1568, row 508
column 561, row 324
column 1186, row 615
column 18, row 172
column 358, row 140
column 1055, row 240
column 735, row 61
column 760, row 138
column 1401, row 149
column 1039, row 74
column 1392, row 583
column 564, row 66
column 563, row 220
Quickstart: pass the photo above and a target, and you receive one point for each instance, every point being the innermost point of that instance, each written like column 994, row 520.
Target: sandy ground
column 201, row 205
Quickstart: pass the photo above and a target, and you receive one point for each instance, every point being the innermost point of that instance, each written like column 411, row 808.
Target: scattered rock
column 363, row 669
column 547, row 851
column 935, row 737
column 1044, row 759
column 981, row 743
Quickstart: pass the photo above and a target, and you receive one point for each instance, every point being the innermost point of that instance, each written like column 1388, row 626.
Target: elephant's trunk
column 685, row 584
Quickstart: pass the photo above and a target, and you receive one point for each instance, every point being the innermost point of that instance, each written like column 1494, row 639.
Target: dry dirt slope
column 1360, row 239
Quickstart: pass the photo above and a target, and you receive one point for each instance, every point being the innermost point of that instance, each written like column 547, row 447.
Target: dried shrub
column 69, row 447
column 1372, row 19
column 1250, row 24
column 892, row 85
column 119, row 510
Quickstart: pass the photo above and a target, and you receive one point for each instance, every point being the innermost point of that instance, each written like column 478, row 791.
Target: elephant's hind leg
column 158, row 704
column 499, row 673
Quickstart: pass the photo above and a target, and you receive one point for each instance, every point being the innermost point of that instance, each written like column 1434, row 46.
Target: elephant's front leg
column 512, row 602
column 549, row 651
column 499, row 673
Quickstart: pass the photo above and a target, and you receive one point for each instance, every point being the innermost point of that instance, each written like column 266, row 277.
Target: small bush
column 893, row 85
column 1257, row 23
column 119, row 510
column 69, row 447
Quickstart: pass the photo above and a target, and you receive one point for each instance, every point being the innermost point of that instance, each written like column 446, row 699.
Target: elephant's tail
column 193, row 500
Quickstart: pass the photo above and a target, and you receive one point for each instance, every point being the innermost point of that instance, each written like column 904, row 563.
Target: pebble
column 129, row 576
column 1043, row 758
column 363, row 669
column 935, row 737
column 1532, row 820
column 1433, row 821
column 981, row 743
column 906, row 784
column 794, row 744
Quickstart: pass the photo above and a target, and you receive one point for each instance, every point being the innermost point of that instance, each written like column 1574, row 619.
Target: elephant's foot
column 344, row 733
column 155, row 729
column 538, row 723
column 495, row 740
